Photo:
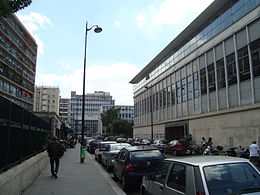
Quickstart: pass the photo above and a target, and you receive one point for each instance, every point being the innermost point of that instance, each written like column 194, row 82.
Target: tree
column 122, row 127
column 11, row 6
column 109, row 117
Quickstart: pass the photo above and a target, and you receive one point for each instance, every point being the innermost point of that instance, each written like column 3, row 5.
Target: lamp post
column 151, row 110
column 97, row 29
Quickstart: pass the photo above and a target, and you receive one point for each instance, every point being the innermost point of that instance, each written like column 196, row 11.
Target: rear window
column 236, row 178
column 118, row 147
column 146, row 154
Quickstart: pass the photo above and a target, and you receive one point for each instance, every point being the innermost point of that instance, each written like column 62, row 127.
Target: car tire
column 115, row 177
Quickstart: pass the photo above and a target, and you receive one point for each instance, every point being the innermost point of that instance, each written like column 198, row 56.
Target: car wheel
column 99, row 159
column 124, row 183
column 115, row 177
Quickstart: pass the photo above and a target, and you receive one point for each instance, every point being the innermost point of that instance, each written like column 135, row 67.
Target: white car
column 203, row 175
column 111, row 151
column 101, row 148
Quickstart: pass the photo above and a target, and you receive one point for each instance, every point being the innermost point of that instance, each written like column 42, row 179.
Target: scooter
column 231, row 152
column 210, row 151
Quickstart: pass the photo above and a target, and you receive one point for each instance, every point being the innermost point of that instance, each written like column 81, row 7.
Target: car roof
column 207, row 160
column 108, row 142
column 140, row 148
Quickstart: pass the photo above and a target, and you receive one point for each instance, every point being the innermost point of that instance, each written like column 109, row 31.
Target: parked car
column 160, row 144
column 132, row 163
column 178, row 147
column 101, row 148
column 206, row 175
column 111, row 150
column 93, row 145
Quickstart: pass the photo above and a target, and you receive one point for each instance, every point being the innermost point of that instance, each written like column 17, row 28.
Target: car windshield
column 236, row 178
column 145, row 154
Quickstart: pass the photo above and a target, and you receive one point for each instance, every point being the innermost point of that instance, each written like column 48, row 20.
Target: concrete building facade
column 93, row 102
column 64, row 109
column 18, row 54
column 206, row 82
column 46, row 99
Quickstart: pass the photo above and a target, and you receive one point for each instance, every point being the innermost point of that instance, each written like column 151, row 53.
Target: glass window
column 203, row 81
column 184, row 90
column 173, row 94
column 211, row 77
column 255, row 53
column 243, row 63
column 161, row 173
column 168, row 95
column 237, row 178
column 177, row 178
column 195, row 84
column 231, row 69
column 178, row 92
column 221, row 74
column 145, row 154
column 164, row 97
column 190, row 87
column 160, row 98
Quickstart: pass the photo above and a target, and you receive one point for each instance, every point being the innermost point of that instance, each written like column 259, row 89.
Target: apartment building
column 46, row 99
column 64, row 109
column 205, row 82
column 18, row 54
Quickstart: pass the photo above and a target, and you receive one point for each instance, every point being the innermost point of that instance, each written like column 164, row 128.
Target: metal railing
column 22, row 134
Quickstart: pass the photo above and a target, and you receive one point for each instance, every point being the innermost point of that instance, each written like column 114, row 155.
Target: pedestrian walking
column 55, row 151
column 254, row 153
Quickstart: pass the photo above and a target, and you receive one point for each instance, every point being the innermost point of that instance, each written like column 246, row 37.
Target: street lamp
column 151, row 110
column 97, row 29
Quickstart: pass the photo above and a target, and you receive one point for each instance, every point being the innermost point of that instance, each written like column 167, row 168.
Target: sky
column 134, row 32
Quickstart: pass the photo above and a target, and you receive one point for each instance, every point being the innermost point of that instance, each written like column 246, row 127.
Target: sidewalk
column 75, row 178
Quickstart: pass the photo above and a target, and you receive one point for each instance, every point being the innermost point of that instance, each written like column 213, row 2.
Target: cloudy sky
column 134, row 32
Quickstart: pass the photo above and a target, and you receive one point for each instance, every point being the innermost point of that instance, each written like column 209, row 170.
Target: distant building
column 205, row 82
column 64, row 109
column 18, row 53
column 126, row 112
column 93, row 102
column 46, row 99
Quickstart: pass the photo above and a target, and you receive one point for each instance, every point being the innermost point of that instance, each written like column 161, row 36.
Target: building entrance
column 176, row 130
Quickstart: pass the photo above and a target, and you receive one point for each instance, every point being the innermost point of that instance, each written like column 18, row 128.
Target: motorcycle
column 244, row 153
column 231, row 152
column 210, row 151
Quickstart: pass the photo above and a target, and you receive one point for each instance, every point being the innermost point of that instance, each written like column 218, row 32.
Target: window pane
column 177, row 178
column 161, row 173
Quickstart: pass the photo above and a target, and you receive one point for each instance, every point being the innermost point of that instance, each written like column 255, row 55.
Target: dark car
column 178, row 147
column 93, row 145
column 132, row 163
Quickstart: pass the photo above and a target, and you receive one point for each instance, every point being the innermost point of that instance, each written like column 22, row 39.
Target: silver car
column 111, row 151
column 203, row 175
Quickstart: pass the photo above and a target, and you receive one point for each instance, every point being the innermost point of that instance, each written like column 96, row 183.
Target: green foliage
column 115, row 125
column 109, row 117
column 11, row 6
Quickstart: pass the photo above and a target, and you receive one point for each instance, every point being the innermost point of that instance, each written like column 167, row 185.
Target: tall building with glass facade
column 18, row 54
column 93, row 102
column 205, row 82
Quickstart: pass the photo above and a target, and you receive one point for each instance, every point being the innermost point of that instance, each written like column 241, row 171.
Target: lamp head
column 97, row 29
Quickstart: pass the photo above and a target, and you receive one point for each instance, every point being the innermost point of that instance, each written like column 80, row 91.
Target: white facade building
column 205, row 82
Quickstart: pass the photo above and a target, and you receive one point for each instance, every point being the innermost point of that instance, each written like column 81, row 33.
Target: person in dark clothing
column 55, row 151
